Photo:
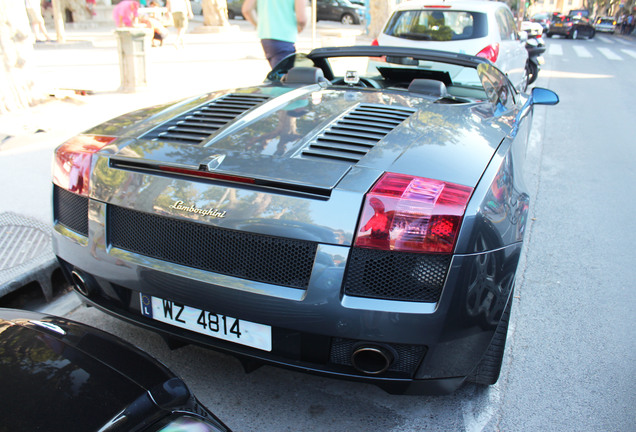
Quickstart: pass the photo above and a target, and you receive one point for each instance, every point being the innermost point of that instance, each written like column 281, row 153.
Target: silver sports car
column 360, row 215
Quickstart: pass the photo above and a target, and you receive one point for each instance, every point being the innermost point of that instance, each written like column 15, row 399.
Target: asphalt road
column 573, row 352
column 570, row 362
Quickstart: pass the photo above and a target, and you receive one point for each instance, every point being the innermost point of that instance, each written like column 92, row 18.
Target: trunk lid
column 307, row 137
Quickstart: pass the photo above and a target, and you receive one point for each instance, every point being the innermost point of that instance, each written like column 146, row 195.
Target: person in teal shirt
column 278, row 23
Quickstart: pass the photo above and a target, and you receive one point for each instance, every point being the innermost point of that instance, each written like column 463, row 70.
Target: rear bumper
column 175, row 337
column 563, row 31
column 436, row 345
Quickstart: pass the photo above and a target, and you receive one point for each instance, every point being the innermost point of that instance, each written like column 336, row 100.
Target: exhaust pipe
column 79, row 283
column 372, row 359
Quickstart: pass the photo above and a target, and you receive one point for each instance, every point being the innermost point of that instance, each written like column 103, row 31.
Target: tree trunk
column 214, row 13
column 17, row 88
column 74, row 11
column 380, row 11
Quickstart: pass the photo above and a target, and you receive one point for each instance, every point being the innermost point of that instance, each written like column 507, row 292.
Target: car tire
column 533, row 72
column 591, row 36
column 347, row 19
column 575, row 34
column 489, row 367
column 548, row 34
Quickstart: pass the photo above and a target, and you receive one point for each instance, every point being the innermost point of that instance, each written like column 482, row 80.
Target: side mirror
column 538, row 96
column 543, row 96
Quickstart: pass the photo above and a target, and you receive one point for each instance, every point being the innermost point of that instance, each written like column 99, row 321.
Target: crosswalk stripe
column 605, row 39
column 610, row 54
column 624, row 42
column 629, row 52
column 555, row 49
column 582, row 52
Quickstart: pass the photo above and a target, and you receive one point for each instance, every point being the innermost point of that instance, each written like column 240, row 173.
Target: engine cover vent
column 352, row 136
column 197, row 125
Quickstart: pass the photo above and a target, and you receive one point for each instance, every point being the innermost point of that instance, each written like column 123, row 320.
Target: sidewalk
column 89, row 63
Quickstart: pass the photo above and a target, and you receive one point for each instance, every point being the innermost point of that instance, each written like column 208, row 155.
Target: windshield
column 437, row 25
column 398, row 69
column 386, row 68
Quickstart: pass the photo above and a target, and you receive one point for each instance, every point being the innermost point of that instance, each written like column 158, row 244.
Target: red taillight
column 491, row 52
column 73, row 160
column 375, row 43
column 412, row 214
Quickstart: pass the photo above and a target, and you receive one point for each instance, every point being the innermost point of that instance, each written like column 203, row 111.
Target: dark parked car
column 359, row 215
column 197, row 7
column 579, row 12
column 60, row 375
column 234, row 9
column 339, row 10
column 572, row 27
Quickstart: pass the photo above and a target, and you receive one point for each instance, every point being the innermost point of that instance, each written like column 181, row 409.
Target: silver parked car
column 605, row 24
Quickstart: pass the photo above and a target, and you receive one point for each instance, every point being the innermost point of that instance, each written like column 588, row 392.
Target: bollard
column 133, row 45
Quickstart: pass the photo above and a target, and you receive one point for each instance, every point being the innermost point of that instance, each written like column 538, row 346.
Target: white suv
column 483, row 28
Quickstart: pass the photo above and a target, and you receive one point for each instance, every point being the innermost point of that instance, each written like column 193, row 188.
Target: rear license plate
column 211, row 324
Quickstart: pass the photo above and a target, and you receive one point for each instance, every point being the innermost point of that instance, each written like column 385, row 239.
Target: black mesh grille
column 351, row 137
column 396, row 275
column 197, row 125
column 407, row 357
column 70, row 210
column 249, row 256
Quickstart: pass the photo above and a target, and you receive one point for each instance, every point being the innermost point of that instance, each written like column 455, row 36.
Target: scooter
column 535, row 47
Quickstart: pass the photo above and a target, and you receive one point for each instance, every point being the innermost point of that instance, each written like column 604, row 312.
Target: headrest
column 304, row 75
column 430, row 87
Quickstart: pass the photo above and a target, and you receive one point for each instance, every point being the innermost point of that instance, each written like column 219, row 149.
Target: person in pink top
column 125, row 13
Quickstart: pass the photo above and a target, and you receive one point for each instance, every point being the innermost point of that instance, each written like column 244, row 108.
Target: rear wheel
column 487, row 370
column 347, row 19
column 592, row 34
column 575, row 34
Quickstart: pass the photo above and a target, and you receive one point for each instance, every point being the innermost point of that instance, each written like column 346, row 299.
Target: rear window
column 437, row 25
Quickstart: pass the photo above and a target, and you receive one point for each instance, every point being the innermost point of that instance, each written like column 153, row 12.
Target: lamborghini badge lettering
column 215, row 213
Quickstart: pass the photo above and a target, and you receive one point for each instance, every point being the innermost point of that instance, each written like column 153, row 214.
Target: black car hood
column 57, row 375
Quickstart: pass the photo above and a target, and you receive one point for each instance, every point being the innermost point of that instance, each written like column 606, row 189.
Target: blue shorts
column 276, row 50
